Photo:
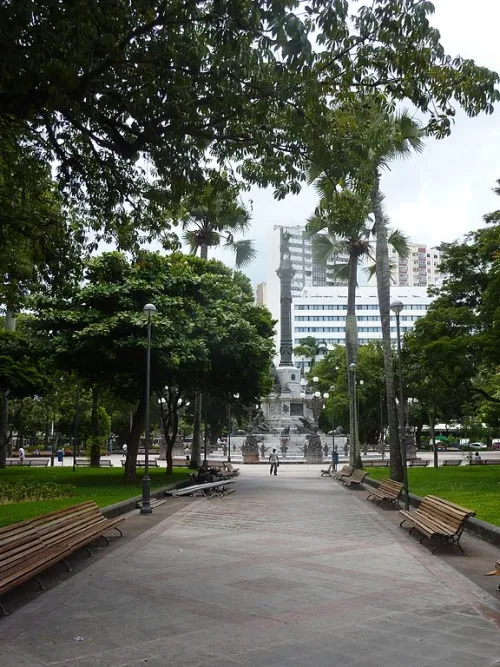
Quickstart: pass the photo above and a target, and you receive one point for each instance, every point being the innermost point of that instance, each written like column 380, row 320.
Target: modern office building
column 320, row 312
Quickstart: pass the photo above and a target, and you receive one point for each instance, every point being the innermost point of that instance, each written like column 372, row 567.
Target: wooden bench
column 388, row 491
column 491, row 462
column 229, row 468
column 328, row 472
column 30, row 547
column 438, row 518
column 418, row 463
column 209, row 489
column 141, row 463
column 85, row 463
column 345, row 471
column 452, row 462
column 35, row 463
column 377, row 463
column 357, row 478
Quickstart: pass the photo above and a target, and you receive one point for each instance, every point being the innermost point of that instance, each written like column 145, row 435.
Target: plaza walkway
column 292, row 570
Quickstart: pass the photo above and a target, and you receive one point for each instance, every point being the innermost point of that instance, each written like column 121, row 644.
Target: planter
column 250, row 458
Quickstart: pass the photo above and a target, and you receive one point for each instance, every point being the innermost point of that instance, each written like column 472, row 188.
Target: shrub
column 25, row 491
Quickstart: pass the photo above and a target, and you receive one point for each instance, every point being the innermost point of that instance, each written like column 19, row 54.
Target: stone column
column 285, row 273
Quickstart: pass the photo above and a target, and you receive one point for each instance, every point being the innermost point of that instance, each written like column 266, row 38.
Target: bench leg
column 67, row 566
column 3, row 610
column 39, row 582
column 88, row 550
column 119, row 530
column 106, row 540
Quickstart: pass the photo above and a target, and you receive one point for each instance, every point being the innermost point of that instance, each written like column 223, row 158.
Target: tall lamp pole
column 149, row 309
column 397, row 307
column 354, row 435
column 236, row 396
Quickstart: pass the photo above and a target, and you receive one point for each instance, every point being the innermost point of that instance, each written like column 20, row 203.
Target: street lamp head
column 315, row 378
column 236, row 396
column 326, row 395
column 317, row 394
column 303, row 382
column 149, row 309
column 302, row 394
column 397, row 307
column 361, row 382
column 352, row 366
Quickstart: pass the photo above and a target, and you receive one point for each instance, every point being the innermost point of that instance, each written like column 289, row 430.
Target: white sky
column 441, row 194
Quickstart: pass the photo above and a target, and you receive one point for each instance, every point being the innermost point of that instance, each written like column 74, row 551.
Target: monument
column 285, row 406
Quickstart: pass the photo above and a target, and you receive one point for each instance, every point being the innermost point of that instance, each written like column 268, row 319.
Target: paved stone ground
column 293, row 570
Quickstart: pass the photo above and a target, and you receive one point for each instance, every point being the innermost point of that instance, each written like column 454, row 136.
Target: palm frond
column 340, row 273
column 400, row 242
column 244, row 251
column 324, row 247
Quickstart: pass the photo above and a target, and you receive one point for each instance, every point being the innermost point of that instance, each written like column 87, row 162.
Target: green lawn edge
column 474, row 487
column 104, row 486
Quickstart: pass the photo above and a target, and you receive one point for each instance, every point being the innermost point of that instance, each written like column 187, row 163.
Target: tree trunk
column 134, row 439
column 95, row 447
column 432, row 421
column 196, row 444
column 170, row 424
column 10, row 325
column 351, row 346
column 384, row 299
column 4, row 436
column 204, row 251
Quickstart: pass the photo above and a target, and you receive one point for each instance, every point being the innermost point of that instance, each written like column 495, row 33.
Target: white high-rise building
column 419, row 269
column 319, row 306
column 308, row 273
column 320, row 312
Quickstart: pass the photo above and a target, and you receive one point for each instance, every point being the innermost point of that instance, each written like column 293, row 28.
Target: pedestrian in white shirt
column 274, row 461
column 22, row 454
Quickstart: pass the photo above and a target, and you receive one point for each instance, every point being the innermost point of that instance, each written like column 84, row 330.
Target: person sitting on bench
column 204, row 474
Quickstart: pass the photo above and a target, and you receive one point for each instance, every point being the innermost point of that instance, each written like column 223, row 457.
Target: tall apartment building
column 261, row 294
column 419, row 269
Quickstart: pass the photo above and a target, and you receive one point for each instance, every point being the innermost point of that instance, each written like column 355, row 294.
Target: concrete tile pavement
column 293, row 570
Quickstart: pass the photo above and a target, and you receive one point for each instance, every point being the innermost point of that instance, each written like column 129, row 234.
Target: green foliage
column 105, row 88
column 475, row 487
column 20, row 371
column 31, row 490
column 104, row 486
column 100, row 435
column 38, row 235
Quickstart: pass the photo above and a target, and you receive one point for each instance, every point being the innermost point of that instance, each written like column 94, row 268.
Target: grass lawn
column 474, row 487
column 103, row 485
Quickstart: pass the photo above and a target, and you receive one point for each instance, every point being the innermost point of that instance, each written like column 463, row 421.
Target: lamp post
column 397, row 307
column 236, row 396
column 354, row 434
column 358, row 410
column 149, row 309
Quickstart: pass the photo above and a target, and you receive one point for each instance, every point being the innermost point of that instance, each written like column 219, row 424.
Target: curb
column 130, row 504
column 482, row 529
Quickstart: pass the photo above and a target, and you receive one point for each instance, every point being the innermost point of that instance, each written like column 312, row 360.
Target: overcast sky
column 443, row 193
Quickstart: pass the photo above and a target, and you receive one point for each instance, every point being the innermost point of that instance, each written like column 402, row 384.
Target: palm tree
column 392, row 137
column 310, row 348
column 213, row 220
column 344, row 214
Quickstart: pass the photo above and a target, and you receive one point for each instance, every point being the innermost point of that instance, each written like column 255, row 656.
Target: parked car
column 478, row 445
column 495, row 444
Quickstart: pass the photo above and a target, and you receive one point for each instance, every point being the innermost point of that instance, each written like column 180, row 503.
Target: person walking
column 22, row 454
column 60, row 456
column 274, row 461
column 187, row 454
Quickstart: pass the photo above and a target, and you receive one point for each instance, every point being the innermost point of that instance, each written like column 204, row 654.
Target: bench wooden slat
column 29, row 547
column 436, row 517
